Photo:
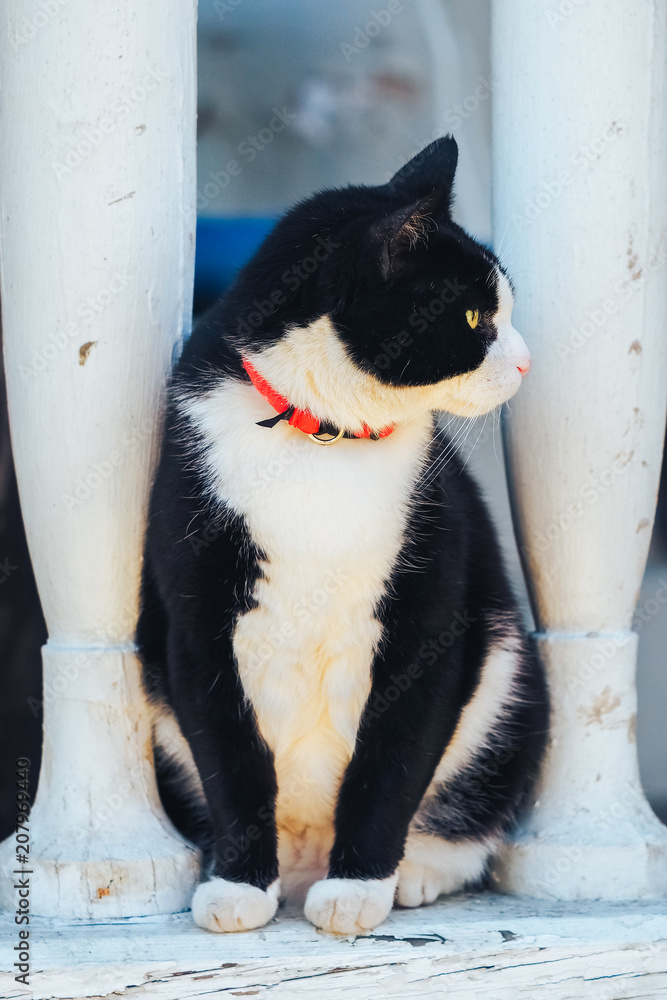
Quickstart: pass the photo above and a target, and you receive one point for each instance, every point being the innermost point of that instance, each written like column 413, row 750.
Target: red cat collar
column 303, row 420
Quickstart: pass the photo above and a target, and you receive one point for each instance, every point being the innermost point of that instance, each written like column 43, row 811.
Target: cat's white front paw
column 418, row 884
column 350, row 905
column 223, row 906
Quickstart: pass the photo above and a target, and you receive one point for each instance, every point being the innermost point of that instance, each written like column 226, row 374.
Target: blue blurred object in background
column 224, row 244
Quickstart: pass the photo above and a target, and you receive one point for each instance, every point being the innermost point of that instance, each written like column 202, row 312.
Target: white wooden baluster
column 580, row 213
column 98, row 224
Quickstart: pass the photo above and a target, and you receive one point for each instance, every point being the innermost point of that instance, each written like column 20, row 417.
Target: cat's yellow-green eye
column 472, row 315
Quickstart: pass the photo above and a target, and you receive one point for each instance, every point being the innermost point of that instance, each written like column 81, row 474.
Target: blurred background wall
column 293, row 97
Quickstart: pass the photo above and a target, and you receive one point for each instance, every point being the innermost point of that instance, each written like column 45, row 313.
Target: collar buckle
column 330, row 440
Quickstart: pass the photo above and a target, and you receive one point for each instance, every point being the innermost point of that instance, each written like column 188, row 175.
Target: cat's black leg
column 431, row 789
column 234, row 764
column 409, row 718
column 200, row 572
column 238, row 780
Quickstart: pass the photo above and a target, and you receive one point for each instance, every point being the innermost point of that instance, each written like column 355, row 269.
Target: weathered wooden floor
column 473, row 947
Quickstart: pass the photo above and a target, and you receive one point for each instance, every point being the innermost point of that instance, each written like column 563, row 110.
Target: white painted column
column 580, row 213
column 97, row 160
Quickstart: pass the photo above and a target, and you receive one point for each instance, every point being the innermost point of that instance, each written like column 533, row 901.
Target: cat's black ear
column 431, row 170
column 395, row 238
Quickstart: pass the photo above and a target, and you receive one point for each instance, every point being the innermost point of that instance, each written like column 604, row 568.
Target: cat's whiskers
column 459, row 442
column 433, row 470
column 458, row 437
column 499, row 251
column 431, row 407
column 405, row 367
column 426, row 410
column 497, row 413
column 469, row 455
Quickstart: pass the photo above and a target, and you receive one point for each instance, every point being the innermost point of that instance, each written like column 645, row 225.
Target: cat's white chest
column 330, row 522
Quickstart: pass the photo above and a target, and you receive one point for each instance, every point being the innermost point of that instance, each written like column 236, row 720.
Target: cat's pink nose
column 524, row 367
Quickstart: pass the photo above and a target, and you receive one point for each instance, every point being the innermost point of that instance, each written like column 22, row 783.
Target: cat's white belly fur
column 330, row 522
column 304, row 657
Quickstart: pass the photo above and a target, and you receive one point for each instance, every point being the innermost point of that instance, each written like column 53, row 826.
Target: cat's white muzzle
column 495, row 381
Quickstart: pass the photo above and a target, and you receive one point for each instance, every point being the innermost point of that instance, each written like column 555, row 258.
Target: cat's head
column 368, row 305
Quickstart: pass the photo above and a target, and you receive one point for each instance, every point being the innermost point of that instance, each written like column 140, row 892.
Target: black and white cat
column 330, row 643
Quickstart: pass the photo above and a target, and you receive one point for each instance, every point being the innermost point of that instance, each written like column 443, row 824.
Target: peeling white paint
column 483, row 946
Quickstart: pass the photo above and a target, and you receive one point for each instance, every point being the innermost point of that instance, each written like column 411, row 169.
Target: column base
column 101, row 888
column 561, row 868
column 590, row 833
column 99, row 843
